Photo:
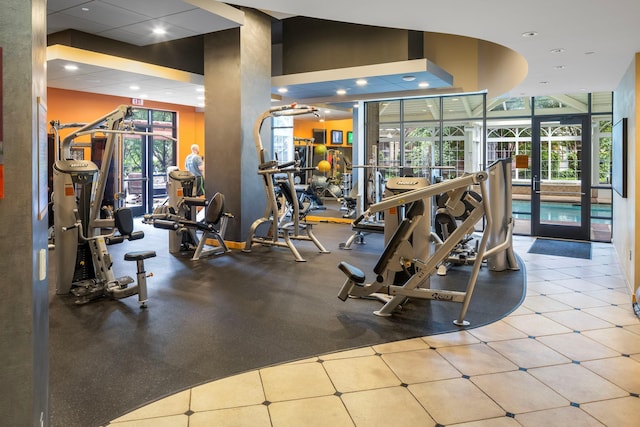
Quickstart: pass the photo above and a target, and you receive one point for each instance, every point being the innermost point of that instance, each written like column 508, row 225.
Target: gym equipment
column 402, row 255
column 283, row 223
column 180, row 216
column 398, row 255
column 499, row 254
column 363, row 224
column 324, row 166
column 83, row 263
column 320, row 149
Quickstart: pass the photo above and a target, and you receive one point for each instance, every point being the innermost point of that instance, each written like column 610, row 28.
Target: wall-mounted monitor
column 336, row 137
column 319, row 136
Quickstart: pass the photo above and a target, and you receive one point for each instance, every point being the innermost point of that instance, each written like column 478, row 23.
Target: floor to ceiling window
column 442, row 137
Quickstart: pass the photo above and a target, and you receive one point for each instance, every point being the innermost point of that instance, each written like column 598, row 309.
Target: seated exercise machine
column 462, row 205
column 446, row 220
column 392, row 217
column 180, row 217
column 83, row 263
column 418, row 265
column 282, row 225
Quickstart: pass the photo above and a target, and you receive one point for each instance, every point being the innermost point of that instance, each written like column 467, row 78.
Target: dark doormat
column 564, row 248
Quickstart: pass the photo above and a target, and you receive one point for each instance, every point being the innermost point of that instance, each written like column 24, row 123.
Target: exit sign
column 137, row 101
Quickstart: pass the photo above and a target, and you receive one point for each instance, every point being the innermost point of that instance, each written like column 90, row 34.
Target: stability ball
column 320, row 150
column 324, row 166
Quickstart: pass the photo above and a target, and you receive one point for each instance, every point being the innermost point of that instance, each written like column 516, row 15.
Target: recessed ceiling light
column 71, row 67
column 200, row 89
column 200, row 98
column 341, row 91
column 134, row 87
column 327, row 111
column 423, row 84
column 283, row 90
column 361, row 82
column 84, row 9
column 408, row 78
column 159, row 31
column 530, row 34
column 557, row 50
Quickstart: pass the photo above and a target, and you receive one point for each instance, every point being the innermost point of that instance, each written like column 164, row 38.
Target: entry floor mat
column 566, row 248
column 229, row 314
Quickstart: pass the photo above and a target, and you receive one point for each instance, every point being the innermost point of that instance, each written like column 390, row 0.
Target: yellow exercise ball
column 320, row 150
column 324, row 166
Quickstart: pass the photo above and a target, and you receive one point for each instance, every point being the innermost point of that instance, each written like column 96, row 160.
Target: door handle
column 536, row 183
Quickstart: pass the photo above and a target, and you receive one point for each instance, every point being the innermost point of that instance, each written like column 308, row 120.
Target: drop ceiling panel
column 58, row 5
column 152, row 8
column 100, row 12
column 143, row 35
column 60, row 21
column 200, row 21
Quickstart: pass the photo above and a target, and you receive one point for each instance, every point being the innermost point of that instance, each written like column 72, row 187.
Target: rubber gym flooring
column 228, row 314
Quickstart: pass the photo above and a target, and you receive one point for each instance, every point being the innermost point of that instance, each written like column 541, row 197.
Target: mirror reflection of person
column 194, row 164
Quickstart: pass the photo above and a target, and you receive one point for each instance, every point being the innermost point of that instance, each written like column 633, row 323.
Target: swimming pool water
column 561, row 212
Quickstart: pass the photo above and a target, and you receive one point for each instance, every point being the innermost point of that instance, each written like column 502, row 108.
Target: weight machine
column 83, row 263
column 417, row 264
column 282, row 226
column 180, row 217
column 459, row 203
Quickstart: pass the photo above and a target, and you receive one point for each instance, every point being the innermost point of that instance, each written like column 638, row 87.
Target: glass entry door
column 560, row 185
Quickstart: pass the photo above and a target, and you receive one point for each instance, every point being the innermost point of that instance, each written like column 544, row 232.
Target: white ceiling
column 597, row 38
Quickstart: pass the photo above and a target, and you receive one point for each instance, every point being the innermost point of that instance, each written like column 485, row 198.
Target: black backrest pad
column 402, row 233
column 215, row 209
column 124, row 221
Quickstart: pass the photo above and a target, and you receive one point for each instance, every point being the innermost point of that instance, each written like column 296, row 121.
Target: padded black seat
column 353, row 273
column 139, row 255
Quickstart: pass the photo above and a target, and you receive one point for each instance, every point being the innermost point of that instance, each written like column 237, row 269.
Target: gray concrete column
column 24, row 316
column 237, row 89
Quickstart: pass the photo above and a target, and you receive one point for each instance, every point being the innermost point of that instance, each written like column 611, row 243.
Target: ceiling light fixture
column 530, row 34
column 341, row 92
column 557, row 50
column 71, row 67
column 423, row 84
column 200, row 89
column 361, row 82
column 283, row 90
column 159, row 31
column 134, row 87
column 84, row 9
column 408, row 78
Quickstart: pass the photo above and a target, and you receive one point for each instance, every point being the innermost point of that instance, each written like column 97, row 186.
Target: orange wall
column 304, row 129
column 69, row 106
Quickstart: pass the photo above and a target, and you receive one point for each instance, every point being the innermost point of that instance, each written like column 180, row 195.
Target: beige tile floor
column 569, row 356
